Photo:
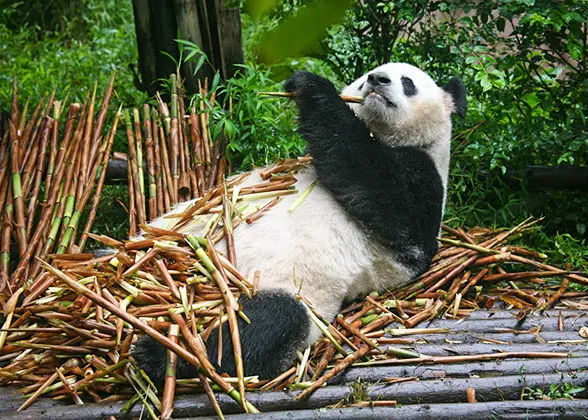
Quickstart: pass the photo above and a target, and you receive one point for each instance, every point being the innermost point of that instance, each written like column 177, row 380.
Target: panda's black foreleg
column 339, row 142
column 331, row 128
column 279, row 327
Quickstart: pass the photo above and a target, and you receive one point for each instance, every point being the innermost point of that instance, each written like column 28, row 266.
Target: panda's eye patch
column 408, row 86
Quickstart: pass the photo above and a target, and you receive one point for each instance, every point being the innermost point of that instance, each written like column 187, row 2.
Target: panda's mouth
column 379, row 97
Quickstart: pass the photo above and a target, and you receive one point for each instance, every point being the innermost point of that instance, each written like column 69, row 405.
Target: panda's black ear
column 457, row 90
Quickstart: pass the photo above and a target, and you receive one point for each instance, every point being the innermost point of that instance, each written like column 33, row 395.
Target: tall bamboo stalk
column 174, row 138
column 100, row 185
column 40, row 167
column 5, row 239
column 162, row 198
column 137, row 190
column 150, row 162
column 18, row 200
column 139, row 142
column 86, row 145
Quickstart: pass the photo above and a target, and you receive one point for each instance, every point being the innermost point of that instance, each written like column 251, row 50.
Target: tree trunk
column 210, row 24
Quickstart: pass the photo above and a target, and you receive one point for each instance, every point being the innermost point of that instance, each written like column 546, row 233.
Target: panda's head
column 404, row 106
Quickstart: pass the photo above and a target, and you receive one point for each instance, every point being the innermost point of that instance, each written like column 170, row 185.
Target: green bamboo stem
column 149, row 146
column 17, row 198
column 139, row 203
column 8, row 212
column 162, row 198
column 86, row 145
column 57, row 109
column 139, row 143
column 174, row 137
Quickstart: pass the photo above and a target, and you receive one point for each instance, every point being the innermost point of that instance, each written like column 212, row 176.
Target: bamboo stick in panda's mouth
column 346, row 98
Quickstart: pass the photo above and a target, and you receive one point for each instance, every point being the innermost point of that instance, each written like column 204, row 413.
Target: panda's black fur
column 368, row 179
column 395, row 193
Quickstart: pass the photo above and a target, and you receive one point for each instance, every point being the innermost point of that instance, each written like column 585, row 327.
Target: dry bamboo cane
column 73, row 170
column 59, row 212
column 210, row 394
column 231, row 312
column 174, row 139
column 23, row 119
column 205, row 135
column 5, row 240
column 197, row 150
column 345, row 98
column 228, row 227
column 17, row 198
column 167, row 177
column 184, row 176
column 67, row 150
column 4, row 159
column 40, row 167
column 101, row 118
column 100, row 185
column 169, row 386
column 13, row 123
column 132, row 209
column 141, row 173
column 29, row 158
column 86, row 145
column 142, row 326
column 26, row 135
column 342, row 365
column 139, row 203
column 150, row 162
column 162, row 204
column 53, row 149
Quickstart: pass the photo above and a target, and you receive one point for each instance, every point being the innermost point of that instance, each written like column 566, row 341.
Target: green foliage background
column 523, row 61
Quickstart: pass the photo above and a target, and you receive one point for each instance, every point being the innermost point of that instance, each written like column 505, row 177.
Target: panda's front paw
column 306, row 85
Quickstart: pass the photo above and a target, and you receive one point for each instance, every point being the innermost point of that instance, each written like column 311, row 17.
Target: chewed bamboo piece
column 345, row 98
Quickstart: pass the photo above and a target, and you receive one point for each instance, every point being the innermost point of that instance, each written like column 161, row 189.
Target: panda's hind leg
column 279, row 327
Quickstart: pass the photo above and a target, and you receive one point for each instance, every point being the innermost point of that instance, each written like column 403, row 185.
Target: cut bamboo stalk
column 40, row 167
column 162, row 197
column 345, row 98
column 141, row 172
column 174, row 138
column 17, row 198
column 153, row 213
column 167, row 175
column 139, row 202
column 100, row 185
column 169, row 387
column 86, row 145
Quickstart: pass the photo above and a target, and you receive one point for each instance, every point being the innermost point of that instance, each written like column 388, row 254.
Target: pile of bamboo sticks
column 48, row 174
column 70, row 336
column 473, row 270
column 182, row 160
column 68, row 326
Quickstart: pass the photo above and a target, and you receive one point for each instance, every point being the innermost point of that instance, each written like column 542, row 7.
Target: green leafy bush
column 70, row 54
column 257, row 130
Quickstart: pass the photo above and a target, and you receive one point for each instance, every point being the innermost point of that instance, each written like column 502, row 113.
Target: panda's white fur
column 320, row 250
column 318, row 239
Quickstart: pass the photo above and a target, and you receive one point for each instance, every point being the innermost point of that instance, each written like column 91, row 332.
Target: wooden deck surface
column 436, row 390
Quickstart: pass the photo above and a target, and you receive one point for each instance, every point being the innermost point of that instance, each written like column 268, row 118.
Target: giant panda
column 370, row 223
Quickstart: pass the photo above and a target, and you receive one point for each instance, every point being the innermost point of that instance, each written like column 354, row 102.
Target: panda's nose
column 378, row 79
